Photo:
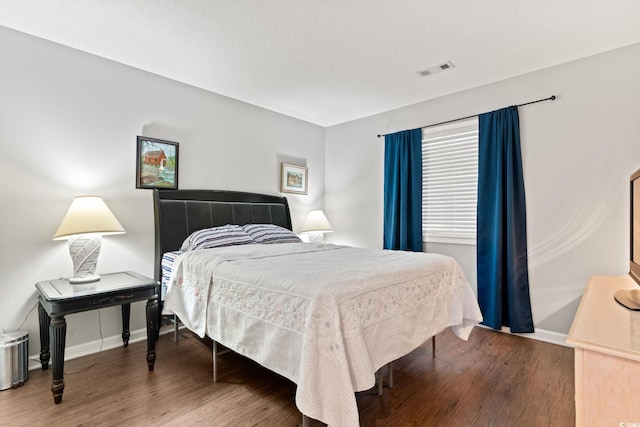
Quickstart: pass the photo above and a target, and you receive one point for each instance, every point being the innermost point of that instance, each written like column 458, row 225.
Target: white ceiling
column 332, row 61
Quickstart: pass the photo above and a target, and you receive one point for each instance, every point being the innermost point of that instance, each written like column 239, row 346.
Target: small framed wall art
column 293, row 179
column 156, row 163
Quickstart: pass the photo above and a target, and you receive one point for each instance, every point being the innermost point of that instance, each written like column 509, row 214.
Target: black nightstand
column 58, row 298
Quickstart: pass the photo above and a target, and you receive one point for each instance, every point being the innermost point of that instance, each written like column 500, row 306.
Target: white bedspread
column 324, row 316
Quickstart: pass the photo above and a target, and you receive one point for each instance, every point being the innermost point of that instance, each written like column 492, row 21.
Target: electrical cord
column 26, row 315
column 100, row 330
column 37, row 359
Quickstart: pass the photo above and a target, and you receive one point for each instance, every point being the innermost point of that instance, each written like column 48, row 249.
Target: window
column 450, row 182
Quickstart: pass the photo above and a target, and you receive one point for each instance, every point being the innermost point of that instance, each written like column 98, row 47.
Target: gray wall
column 68, row 126
column 578, row 153
column 68, row 122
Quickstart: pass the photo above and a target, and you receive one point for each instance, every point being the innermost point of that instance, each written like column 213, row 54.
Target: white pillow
column 270, row 233
column 225, row 235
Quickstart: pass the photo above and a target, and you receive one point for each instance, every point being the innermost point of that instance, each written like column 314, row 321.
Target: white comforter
column 324, row 316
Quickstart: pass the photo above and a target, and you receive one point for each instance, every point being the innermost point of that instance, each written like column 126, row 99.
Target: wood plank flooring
column 494, row 379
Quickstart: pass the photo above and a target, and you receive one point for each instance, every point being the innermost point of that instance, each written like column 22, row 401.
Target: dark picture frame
column 156, row 163
column 293, row 179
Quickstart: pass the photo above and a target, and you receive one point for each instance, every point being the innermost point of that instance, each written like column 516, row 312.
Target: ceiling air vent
column 436, row 69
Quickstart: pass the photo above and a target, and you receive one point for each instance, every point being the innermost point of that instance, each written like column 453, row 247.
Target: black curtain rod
column 551, row 98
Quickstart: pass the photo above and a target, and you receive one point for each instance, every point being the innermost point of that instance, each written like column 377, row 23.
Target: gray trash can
column 14, row 359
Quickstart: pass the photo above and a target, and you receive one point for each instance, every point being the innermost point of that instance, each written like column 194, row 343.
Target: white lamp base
column 316, row 236
column 84, row 250
column 81, row 280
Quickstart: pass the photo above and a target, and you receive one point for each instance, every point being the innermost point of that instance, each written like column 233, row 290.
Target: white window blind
column 450, row 182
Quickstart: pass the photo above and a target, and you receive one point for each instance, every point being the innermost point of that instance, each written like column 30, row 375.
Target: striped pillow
column 168, row 259
column 225, row 235
column 270, row 233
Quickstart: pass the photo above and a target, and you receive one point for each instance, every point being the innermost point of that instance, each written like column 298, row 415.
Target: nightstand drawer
column 61, row 307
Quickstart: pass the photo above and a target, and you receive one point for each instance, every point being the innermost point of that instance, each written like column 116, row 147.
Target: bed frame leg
column 379, row 378
column 175, row 328
column 215, row 362
column 433, row 346
column 305, row 421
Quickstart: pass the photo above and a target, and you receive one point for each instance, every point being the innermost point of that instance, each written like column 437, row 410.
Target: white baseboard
column 540, row 335
column 548, row 336
column 84, row 349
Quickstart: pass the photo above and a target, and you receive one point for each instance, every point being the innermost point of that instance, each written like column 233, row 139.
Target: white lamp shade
column 86, row 215
column 87, row 219
column 317, row 221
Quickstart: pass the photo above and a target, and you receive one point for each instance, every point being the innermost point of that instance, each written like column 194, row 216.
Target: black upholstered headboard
column 178, row 213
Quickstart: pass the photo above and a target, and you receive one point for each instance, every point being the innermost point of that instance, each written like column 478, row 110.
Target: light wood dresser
column 606, row 337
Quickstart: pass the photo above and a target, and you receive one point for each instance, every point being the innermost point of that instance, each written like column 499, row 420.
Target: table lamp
column 316, row 225
column 86, row 221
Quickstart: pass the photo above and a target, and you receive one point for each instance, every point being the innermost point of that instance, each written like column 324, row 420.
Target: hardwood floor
column 494, row 379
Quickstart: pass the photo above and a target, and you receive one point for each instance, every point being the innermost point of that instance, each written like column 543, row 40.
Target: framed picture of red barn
column 156, row 163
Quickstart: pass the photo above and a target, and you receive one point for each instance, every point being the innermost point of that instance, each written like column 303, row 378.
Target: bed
column 327, row 317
